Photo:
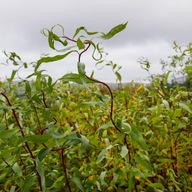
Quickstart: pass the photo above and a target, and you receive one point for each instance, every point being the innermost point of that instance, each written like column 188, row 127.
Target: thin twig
column 112, row 100
column 65, row 169
column 23, row 135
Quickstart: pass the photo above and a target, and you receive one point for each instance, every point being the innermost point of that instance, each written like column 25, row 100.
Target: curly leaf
column 83, row 29
column 114, row 31
column 52, row 59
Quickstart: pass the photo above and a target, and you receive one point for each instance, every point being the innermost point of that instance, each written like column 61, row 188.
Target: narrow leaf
column 101, row 156
column 105, row 126
column 126, row 128
column 114, row 31
column 143, row 163
column 81, row 68
column 131, row 181
column 78, row 183
column 124, row 151
column 13, row 74
column 5, row 134
column 137, row 136
column 83, row 29
column 73, row 77
column 52, row 59
column 42, row 153
column 102, row 177
column 16, row 168
column 29, row 181
column 37, row 138
column 93, row 104
column 40, row 170
column 182, row 105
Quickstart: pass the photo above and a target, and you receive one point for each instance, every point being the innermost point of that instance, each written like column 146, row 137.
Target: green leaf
column 143, row 163
column 13, row 188
column 28, row 88
column 165, row 102
column 42, row 153
column 51, row 40
column 73, row 139
column 80, row 44
column 37, row 138
column 102, row 178
column 182, row 105
column 17, row 169
column 60, row 179
column 114, row 31
column 124, row 151
column 52, row 37
column 118, row 75
column 40, row 170
column 52, row 59
column 78, row 183
column 84, row 145
column 126, row 128
column 101, row 155
column 131, row 182
column 81, row 69
column 83, row 29
column 165, row 79
column 25, row 65
column 73, row 77
column 93, row 104
column 7, row 107
column 13, row 74
column 38, row 83
column 56, row 135
column 156, row 186
column 137, row 136
column 5, row 134
column 105, row 126
column 101, row 97
column 28, row 182
column 188, row 68
column 165, row 160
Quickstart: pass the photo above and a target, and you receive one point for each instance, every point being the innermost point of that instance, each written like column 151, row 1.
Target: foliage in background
column 73, row 135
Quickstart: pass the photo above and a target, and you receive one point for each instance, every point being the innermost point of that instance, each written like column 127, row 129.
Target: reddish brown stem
column 69, row 39
column 111, row 95
column 65, row 169
column 23, row 135
column 79, row 59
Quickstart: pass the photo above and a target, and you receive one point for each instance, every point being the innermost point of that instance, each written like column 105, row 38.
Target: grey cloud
column 150, row 23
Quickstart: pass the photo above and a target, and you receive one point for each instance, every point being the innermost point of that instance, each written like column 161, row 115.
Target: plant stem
column 112, row 100
column 65, row 169
column 23, row 135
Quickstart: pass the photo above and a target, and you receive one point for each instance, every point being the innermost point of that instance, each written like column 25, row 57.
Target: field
column 73, row 141
column 78, row 134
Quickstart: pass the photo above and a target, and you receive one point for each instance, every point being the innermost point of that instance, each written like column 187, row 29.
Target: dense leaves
column 76, row 134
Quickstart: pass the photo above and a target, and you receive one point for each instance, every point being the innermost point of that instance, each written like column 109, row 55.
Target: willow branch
column 112, row 100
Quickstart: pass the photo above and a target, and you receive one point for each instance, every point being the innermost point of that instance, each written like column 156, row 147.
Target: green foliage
column 74, row 135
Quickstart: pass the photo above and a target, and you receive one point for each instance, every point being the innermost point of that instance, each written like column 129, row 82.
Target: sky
column 152, row 27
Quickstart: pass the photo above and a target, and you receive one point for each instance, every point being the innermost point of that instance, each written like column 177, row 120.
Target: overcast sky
column 152, row 28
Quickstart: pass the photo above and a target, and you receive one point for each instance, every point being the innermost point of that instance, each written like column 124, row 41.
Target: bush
column 67, row 136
